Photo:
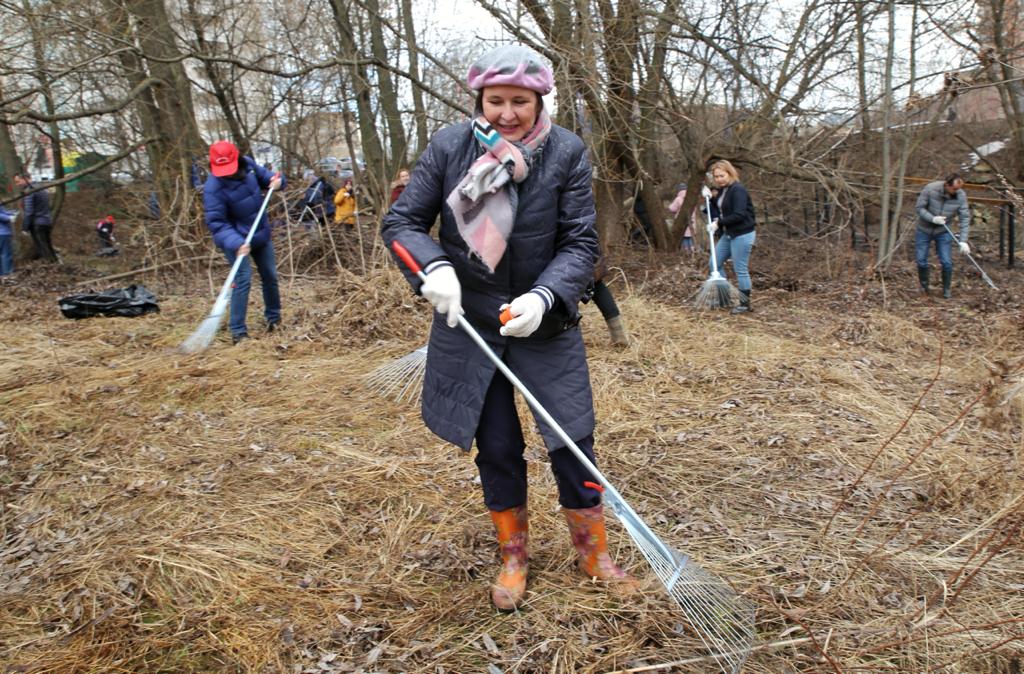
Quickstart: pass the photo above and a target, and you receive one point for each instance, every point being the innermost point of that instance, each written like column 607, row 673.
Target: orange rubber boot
column 586, row 525
column 512, row 526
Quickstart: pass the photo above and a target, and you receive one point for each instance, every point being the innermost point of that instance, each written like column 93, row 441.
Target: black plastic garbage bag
column 135, row 300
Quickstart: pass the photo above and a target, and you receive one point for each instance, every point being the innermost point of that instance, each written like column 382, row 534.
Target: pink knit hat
column 512, row 65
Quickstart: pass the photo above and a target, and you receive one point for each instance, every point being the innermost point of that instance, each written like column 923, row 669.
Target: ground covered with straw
column 848, row 457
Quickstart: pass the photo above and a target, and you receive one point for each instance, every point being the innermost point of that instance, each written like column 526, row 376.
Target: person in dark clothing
column 646, row 231
column 37, row 219
column 605, row 302
column 197, row 175
column 105, row 232
column 319, row 198
column 517, row 216
column 939, row 202
column 736, row 220
column 232, row 197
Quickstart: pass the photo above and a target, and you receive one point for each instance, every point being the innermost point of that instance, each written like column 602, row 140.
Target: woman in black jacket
column 516, row 230
column 736, row 220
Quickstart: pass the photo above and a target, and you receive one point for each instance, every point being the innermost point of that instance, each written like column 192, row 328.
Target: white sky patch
column 459, row 21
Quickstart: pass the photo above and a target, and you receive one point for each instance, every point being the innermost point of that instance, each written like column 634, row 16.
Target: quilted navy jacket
column 231, row 206
column 37, row 209
column 553, row 244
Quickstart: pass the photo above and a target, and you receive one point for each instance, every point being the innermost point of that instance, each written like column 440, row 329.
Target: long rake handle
column 711, row 239
column 612, row 495
column 238, row 259
column 969, row 257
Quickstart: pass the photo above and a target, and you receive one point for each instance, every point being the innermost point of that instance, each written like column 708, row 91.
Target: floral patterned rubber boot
column 512, row 527
column 586, row 525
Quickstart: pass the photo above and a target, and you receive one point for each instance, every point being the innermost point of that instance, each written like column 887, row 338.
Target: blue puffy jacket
column 7, row 219
column 231, row 206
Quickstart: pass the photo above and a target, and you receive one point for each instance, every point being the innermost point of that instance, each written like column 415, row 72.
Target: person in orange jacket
column 345, row 204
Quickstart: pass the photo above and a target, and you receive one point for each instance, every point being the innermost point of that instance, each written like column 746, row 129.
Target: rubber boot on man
column 922, row 279
column 947, row 283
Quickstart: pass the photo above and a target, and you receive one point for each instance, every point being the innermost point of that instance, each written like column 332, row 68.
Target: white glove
column 964, row 248
column 939, row 219
column 527, row 311
column 705, row 192
column 442, row 288
column 713, row 226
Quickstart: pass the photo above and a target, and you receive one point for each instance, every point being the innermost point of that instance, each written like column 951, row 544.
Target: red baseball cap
column 223, row 158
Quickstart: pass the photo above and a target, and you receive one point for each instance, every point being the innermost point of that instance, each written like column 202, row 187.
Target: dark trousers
column 41, row 245
column 604, row 300
column 500, row 445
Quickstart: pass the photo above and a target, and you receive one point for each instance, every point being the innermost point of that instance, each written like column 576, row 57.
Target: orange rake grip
column 506, row 316
column 406, row 257
column 594, row 485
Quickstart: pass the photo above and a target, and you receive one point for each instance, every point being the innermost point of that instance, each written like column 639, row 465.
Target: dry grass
column 253, row 509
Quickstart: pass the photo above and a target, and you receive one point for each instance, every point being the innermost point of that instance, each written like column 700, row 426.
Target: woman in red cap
column 232, row 197
column 517, row 230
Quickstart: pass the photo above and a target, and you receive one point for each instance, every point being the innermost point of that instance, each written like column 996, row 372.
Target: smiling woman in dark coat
column 517, row 228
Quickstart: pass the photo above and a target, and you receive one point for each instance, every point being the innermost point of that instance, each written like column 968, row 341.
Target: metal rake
column 401, row 379
column 969, row 257
column 716, row 292
column 723, row 620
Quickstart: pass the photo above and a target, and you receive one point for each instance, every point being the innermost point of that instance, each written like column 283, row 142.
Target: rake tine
column 710, row 605
column 650, row 545
column 401, row 378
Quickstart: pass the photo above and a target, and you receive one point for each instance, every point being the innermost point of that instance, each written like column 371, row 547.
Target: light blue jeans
column 266, row 264
column 738, row 248
column 943, row 247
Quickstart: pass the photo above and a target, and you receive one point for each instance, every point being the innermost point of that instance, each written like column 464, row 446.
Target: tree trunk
column 648, row 145
column 1005, row 30
column 886, row 230
column 39, row 62
column 220, row 91
column 373, row 153
column 419, row 109
column 9, row 156
column 166, row 110
column 134, row 72
column 387, row 96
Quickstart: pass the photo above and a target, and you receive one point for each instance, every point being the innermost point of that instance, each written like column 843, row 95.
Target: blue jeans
column 6, row 255
column 943, row 247
column 738, row 248
column 267, row 267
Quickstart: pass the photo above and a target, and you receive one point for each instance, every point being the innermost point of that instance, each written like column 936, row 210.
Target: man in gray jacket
column 938, row 202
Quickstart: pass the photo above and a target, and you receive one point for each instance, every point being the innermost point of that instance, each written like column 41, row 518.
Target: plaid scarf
column 483, row 202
